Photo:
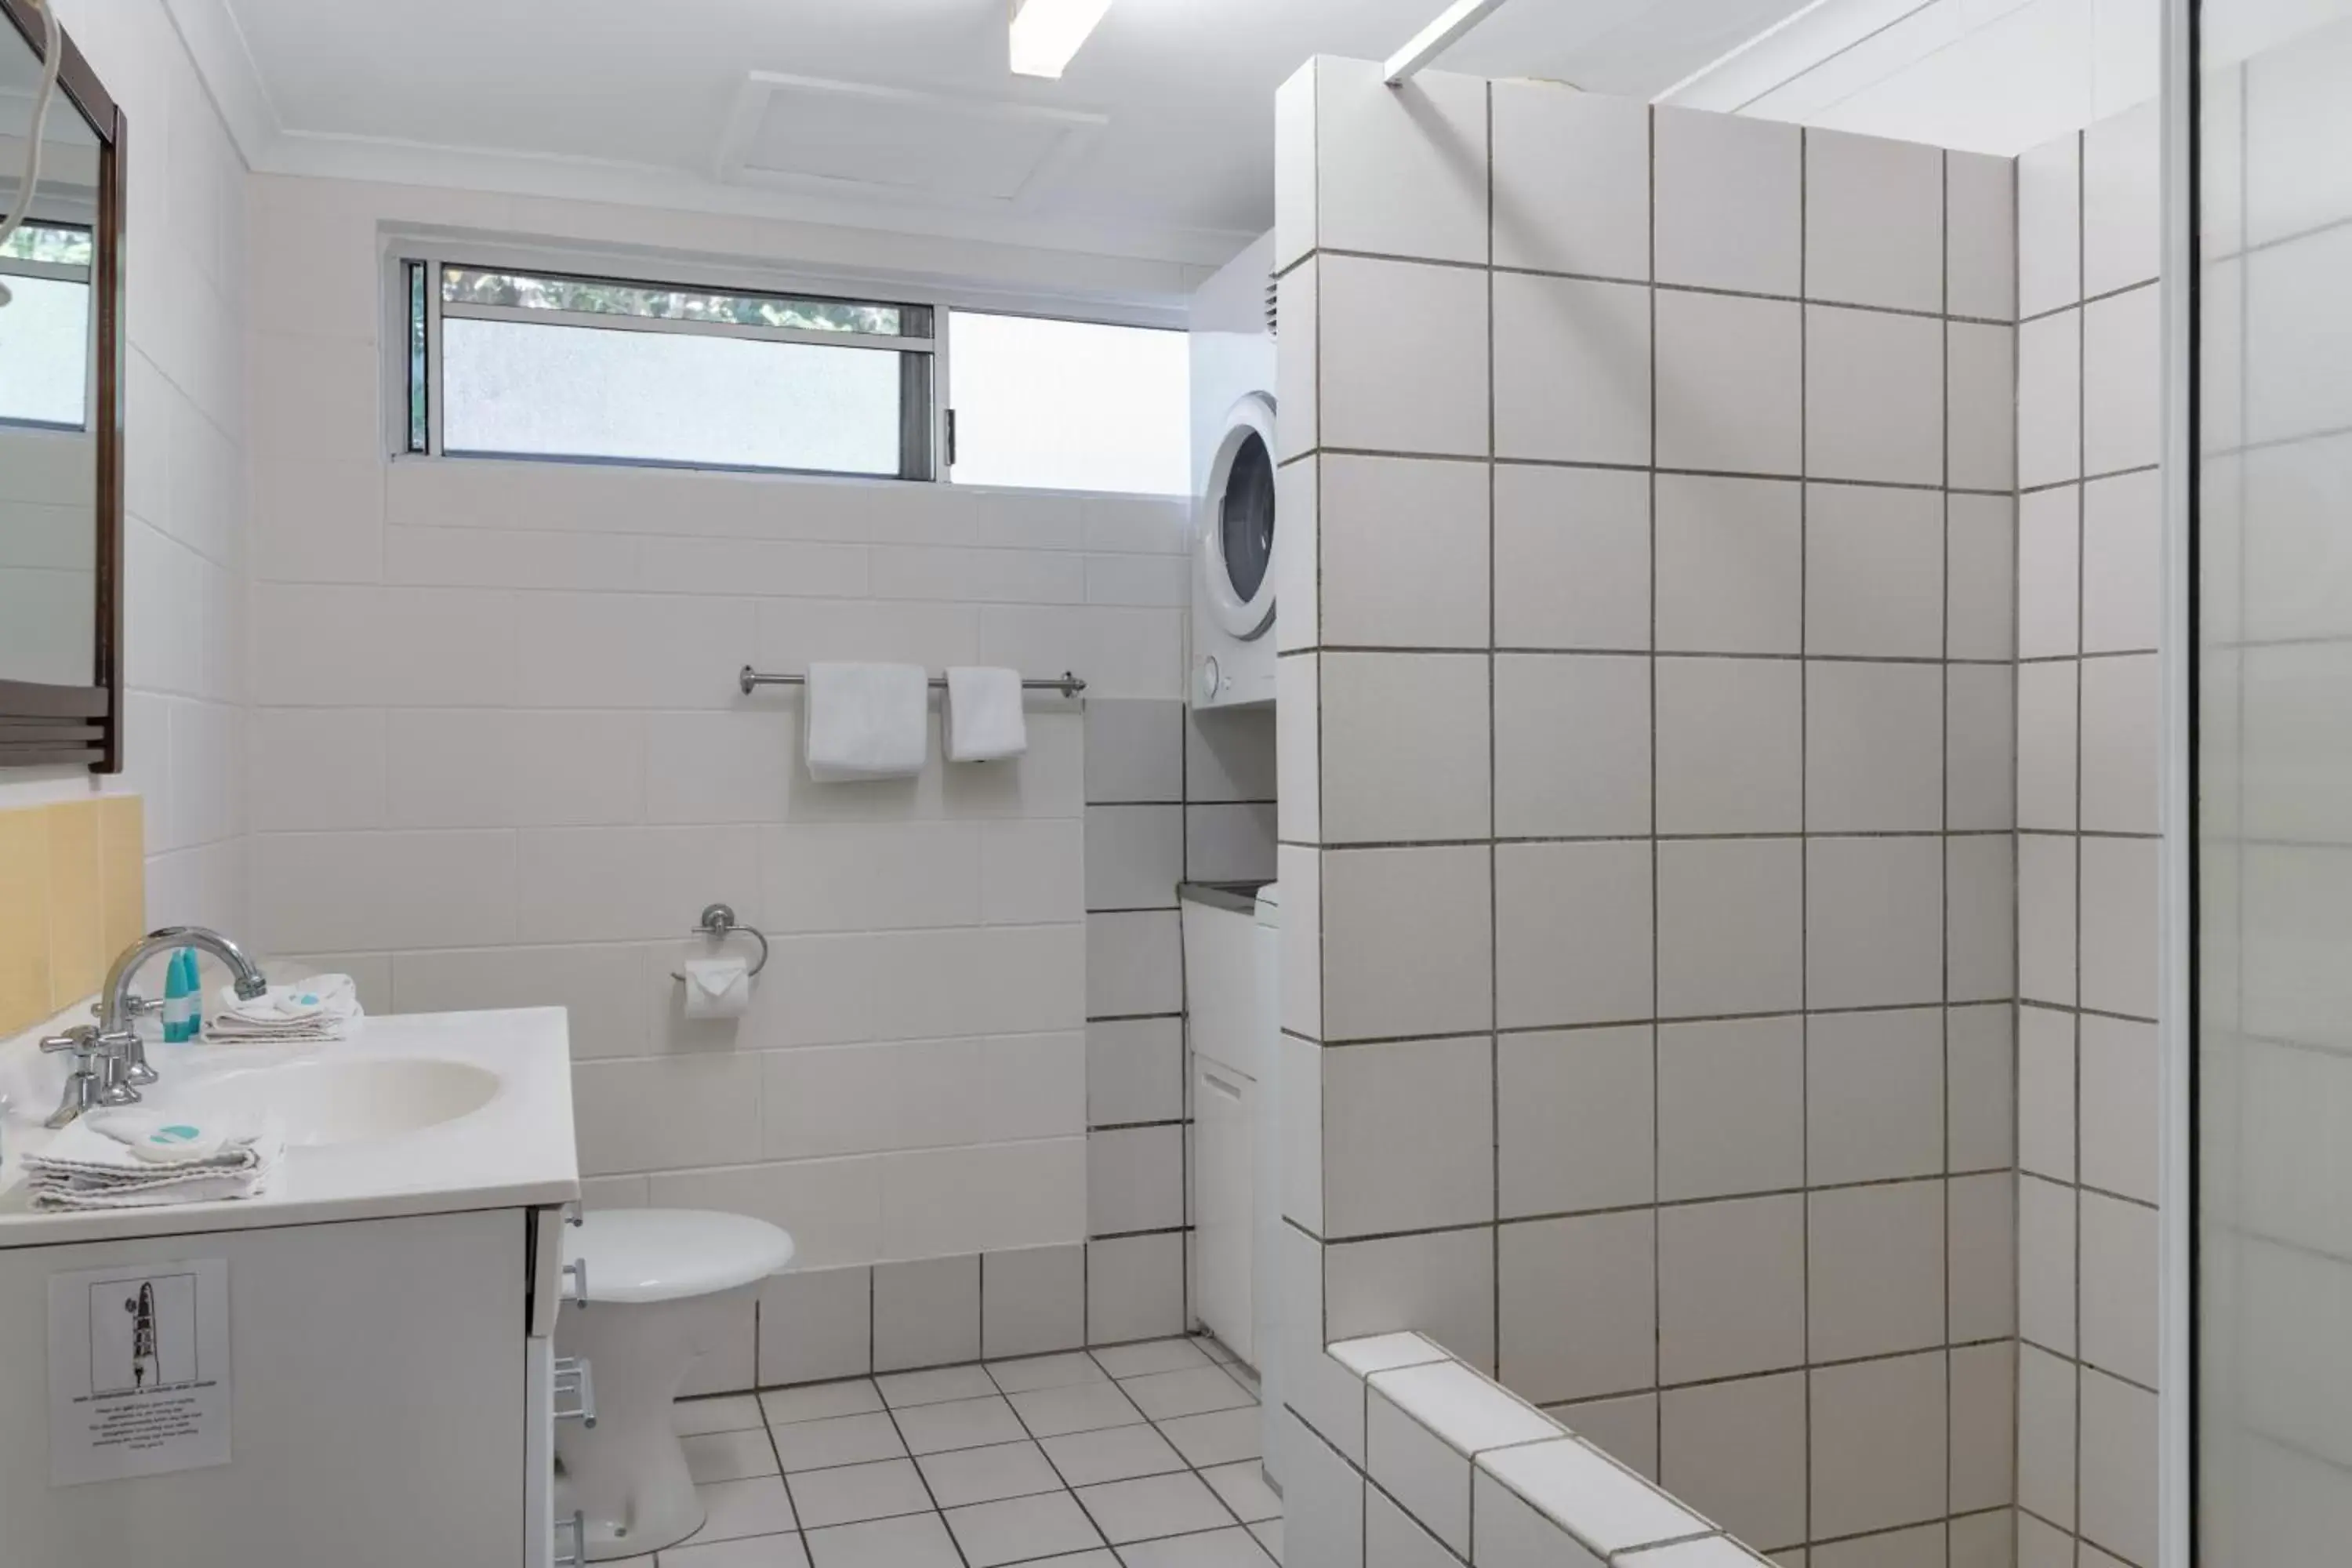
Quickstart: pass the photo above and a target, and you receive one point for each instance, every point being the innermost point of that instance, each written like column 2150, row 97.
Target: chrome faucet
column 110, row 1059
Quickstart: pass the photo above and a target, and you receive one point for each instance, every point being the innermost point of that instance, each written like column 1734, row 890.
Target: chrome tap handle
column 81, row 1039
column 84, row 1085
column 121, row 1057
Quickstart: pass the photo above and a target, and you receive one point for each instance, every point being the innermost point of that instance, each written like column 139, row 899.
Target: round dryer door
column 1237, row 522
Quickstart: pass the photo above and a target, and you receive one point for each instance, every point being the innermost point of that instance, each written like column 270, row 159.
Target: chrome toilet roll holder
column 719, row 923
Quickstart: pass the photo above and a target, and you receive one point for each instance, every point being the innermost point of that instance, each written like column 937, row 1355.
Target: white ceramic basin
column 346, row 1101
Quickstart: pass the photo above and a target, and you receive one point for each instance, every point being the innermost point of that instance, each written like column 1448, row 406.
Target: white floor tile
column 935, row 1386
column 918, row 1541
column 1154, row 1355
column 1235, row 1548
column 985, row 1475
column 730, row 1413
column 851, row 1494
column 1045, row 1372
column 961, row 1424
column 1086, row 1458
column 1019, row 1528
column 1076, row 1560
column 1217, row 1438
column 752, row 1551
column 1243, row 1488
column 733, row 1509
column 1269, row 1535
column 728, row 1456
column 1165, row 1396
column 1083, row 1407
column 840, row 1440
column 1153, row 1506
column 857, row 1397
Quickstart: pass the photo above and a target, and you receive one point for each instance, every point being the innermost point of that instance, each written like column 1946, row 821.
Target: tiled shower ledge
column 1501, row 1484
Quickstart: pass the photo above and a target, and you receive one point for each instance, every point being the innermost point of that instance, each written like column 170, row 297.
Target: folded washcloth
column 867, row 722
column 322, row 1008
column 984, row 722
column 116, row 1158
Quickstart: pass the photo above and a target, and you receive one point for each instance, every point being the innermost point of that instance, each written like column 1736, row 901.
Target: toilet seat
column 668, row 1255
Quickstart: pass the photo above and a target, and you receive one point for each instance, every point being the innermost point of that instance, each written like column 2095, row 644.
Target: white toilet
column 656, row 1286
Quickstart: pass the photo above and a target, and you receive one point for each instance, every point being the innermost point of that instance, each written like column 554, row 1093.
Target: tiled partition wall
column 1171, row 796
column 1647, row 798
column 2088, row 724
column 500, row 758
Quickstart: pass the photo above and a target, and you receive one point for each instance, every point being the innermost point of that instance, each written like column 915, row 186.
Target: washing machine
column 1233, row 483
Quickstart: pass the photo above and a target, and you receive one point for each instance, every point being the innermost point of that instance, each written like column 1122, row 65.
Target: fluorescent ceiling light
column 1046, row 33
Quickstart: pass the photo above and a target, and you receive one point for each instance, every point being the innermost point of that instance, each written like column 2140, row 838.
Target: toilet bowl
column 655, row 1292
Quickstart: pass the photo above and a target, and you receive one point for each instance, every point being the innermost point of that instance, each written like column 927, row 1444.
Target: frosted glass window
column 45, row 352
column 529, row 389
column 1069, row 405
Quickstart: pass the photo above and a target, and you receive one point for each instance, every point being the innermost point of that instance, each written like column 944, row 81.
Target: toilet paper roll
column 718, row 987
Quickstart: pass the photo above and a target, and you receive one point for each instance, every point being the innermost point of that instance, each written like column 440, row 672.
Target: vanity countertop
column 514, row 1152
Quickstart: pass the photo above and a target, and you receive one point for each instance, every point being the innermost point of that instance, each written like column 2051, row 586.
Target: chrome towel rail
column 1067, row 684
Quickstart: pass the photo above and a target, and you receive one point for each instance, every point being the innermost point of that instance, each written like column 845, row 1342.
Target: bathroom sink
column 347, row 1101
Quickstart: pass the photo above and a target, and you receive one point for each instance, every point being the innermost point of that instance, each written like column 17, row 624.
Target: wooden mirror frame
column 46, row 726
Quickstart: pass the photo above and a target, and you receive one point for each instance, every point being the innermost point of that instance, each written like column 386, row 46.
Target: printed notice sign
column 139, row 1375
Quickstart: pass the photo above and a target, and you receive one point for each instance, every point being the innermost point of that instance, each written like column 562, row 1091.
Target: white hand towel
column 99, row 1161
column 321, row 1007
column 984, row 721
column 867, row 722
column 718, row 987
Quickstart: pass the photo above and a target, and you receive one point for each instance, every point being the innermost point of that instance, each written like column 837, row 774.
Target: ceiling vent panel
column 899, row 143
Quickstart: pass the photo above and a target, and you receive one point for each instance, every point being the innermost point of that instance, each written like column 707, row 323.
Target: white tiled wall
column 1662, row 850
column 184, row 475
column 2087, row 725
column 499, row 757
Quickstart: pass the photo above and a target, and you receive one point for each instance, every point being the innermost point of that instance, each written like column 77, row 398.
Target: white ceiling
column 1169, row 145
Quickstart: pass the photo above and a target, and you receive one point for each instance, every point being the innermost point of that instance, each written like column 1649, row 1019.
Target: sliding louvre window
column 520, row 364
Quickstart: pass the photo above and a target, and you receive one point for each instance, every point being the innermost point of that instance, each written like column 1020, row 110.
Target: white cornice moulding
column 208, row 29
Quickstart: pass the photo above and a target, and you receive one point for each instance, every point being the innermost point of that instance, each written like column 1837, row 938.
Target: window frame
column 86, row 274
column 436, row 248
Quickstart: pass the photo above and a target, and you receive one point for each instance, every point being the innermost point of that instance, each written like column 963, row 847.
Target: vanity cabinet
column 389, row 1405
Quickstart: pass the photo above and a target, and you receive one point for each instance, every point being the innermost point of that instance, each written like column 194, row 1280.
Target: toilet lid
column 663, row 1254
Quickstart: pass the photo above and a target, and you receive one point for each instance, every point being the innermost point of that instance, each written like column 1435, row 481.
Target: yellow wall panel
column 23, row 918
column 73, row 894
column 122, row 872
column 75, row 962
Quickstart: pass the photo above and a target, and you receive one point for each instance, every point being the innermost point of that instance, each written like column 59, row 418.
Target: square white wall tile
column 1400, row 171
column 1874, row 921
column 2045, row 1264
column 1134, row 965
column 2120, row 1107
column 1874, row 1270
column 2121, row 1286
column 1874, row 747
column 1134, row 857
column 1299, row 360
column 2122, row 587
column 1407, row 1134
column 1747, row 709
column 1403, row 356
column 2120, row 1467
column 1033, row 1301
column 1300, row 871
column 1588, row 214
column 1135, row 1070
column 1730, row 371
column 1980, row 573
column 1982, row 1094
column 1731, row 1108
column 2049, row 569
column 1571, row 368
column 1407, row 942
column 1135, row 1288
column 2045, row 1092
column 1407, row 1461
column 1979, row 747
column 1572, row 933
column 2119, row 925
column 1572, row 1129
column 1980, row 917
column 2122, row 382
column 1571, row 746
column 1134, row 751
column 1736, row 1451
column 1375, row 792
column 1298, row 747
column 925, row 1313
column 2047, row 742
column 1625, row 1429
column 1873, row 397
column 1879, row 1444
column 2049, row 225
column 1730, row 208
column 1134, row 1180
column 1440, row 1283
column 1298, row 560
column 1981, row 1268
column 1873, row 572
column 1980, row 393
column 1731, row 1287
column 1403, row 552
column 1980, row 235
column 2122, row 240
column 1730, row 926
column 1874, row 1091
column 2049, row 399
column 1730, row 565
column 1229, row 843
column 1571, row 558
column 1579, row 1306
column 2045, row 1436
column 2122, row 717
column 1873, row 221
column 1295, row 156
column 830, row 1312
column 2045, row 918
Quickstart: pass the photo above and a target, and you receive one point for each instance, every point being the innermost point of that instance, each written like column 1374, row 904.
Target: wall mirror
column 60, row 407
